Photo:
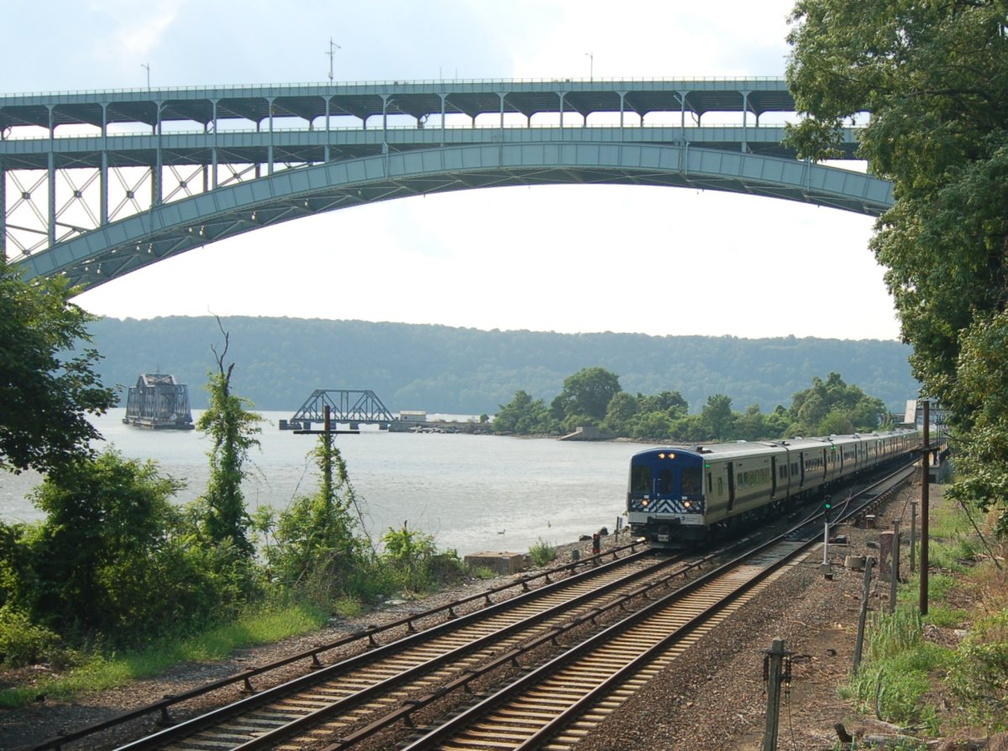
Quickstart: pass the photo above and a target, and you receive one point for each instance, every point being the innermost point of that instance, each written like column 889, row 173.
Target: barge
column 158, row 402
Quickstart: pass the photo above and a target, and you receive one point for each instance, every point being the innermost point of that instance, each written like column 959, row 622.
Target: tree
column 832, row 407
column 48, row 388
column 232, row 429
column 587, row 393
column 522, row 415
column 104, row 558
column 935, row 78
column 717, row 417
column 316, row 545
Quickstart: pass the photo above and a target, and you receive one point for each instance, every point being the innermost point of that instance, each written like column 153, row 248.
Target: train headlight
column 687, row 504
column 644, row 503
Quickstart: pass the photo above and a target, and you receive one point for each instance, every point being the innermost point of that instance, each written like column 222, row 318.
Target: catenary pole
column 925, row 492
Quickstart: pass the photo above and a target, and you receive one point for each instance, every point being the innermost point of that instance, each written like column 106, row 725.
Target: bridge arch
column 114, row 250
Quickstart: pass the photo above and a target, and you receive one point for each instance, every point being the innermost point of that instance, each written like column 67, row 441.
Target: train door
column 773, row 476
column 664, row 483
column 731, row 485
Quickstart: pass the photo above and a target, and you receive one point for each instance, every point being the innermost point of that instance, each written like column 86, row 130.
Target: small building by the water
column 158, row 402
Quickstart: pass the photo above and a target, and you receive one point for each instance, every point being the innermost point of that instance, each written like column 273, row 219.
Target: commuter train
column 680, row 496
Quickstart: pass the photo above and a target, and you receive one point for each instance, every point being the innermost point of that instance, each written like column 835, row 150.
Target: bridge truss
column 345, row 406
column 94, row 185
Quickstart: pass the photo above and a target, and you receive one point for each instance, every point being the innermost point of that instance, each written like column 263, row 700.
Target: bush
column 979, row 675
column 25, row 643
column 542, row 553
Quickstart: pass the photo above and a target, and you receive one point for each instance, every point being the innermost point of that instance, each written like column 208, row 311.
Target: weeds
column 542, row 553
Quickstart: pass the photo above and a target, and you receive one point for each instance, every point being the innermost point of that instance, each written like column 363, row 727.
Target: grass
column 904, row 669
column 542, row 553
column 101, row 672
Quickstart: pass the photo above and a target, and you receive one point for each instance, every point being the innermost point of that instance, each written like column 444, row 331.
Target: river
column 472, row 493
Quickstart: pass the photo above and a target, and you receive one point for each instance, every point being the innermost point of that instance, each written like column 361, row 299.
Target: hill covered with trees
column 468, row 371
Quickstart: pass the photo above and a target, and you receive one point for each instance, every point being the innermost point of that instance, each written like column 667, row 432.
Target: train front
column 665, row 499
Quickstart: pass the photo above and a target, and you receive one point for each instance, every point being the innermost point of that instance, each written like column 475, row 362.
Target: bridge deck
column 97, row 184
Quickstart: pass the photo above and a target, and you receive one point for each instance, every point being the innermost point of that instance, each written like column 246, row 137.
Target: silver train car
column 679, row 496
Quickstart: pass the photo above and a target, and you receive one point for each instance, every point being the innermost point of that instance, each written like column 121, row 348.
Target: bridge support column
column 51, row 179
column 328, row 114
column 156, row 192
column 269, row 151
column 745, row 120
column 3, row 210
column 213, row 148
column 444, row 97
column 103, row 186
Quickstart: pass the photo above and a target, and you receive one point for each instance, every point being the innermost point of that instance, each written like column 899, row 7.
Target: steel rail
column 634, row 635
column 579, row 584
column 162, row 708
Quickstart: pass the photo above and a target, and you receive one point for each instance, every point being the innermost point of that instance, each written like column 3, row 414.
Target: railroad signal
column 827, row 507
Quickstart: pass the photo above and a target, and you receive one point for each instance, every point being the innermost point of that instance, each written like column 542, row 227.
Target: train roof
column 751, row 448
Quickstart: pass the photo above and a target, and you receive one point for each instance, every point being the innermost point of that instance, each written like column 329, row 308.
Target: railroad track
column 401, row 668
column 374, row 698
column 371, row 688
column 557, row 704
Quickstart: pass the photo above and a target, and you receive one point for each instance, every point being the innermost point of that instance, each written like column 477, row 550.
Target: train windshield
column 692, row 481
column 640, row 479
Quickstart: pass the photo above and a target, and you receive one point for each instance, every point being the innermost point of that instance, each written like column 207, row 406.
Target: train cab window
column 710, row 487
column 692, row 481
column 664, row 482
column 640, row 480
column 720, row 486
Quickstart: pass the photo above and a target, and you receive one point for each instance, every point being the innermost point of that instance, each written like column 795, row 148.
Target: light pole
column 591, row 65
column 147, row 66
column 332, row 54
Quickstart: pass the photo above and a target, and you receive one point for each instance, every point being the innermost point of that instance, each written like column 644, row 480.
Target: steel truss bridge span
column 94, row 185
column 166, row 230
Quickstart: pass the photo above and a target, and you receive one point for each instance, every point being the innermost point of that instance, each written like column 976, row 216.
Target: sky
column 658, row 261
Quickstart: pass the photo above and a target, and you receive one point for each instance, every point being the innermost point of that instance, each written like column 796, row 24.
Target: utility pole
column 147, row 66
column 591, row 65
column 332, row 54
column 925, row 497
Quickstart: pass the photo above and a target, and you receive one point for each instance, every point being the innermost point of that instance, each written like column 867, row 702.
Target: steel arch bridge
column 95, row 185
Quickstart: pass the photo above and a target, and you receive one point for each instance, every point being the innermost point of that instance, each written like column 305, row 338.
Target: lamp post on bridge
column 591, row 65
column 332, row 54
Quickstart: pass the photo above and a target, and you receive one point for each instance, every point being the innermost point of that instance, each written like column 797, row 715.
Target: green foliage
column 935, row 78
column 104, row 558
column 542, row 553
column 262, row 624
column 232, row 429
column 585, row 397
column 115, row 559
column 24, row 643
column 48, row 389
column 316, row 549
column 898, row 663
column 831, row 407
column 979, row 673
column 717, row 419
column 523, row 415
column 468, row 371
column 412, row 560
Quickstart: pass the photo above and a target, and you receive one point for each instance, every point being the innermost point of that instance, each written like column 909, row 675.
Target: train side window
column 640, row 480
column 720, row 486
column 709, row 485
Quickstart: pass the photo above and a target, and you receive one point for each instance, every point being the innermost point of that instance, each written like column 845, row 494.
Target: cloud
column 134, row 31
